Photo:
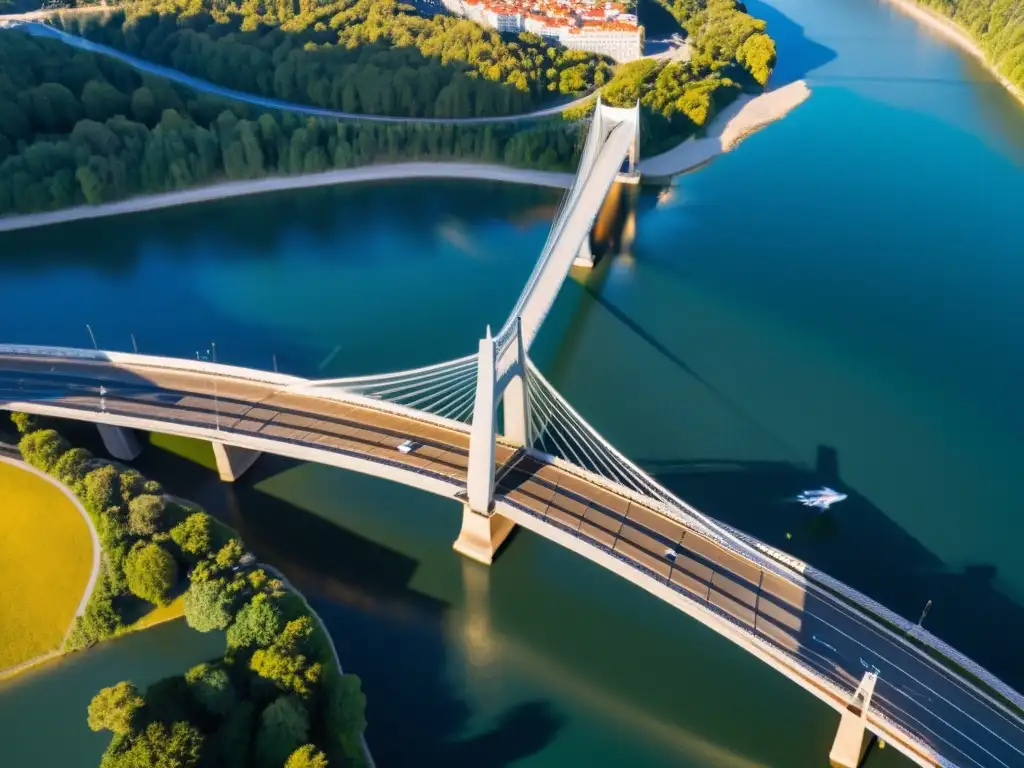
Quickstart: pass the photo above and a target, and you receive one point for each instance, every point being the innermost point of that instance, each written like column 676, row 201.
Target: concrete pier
column 120, row 442
column 482, row 535
column 848, row 747
column 585, row 256
column 232, row 462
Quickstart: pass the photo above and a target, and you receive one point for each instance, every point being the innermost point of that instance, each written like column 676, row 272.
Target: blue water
column 834, row 303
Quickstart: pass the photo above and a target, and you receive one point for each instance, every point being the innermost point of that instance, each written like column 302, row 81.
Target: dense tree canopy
column 151, row 572
column 997, row 25
column 115, row 708
column 365, row 56
column 52, row 155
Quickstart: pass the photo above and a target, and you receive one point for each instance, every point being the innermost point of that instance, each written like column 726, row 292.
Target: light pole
column 274, row 356
column 927, row 607
column 92, row 336
column 216, row 400
column 135, row 347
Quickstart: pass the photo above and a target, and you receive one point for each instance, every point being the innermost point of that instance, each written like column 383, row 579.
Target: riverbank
column 954, row 33
column 394, row 172
column 746, row 115
column 26, row 664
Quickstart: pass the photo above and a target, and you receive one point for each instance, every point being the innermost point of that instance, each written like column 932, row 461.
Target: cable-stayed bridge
column 546, row 469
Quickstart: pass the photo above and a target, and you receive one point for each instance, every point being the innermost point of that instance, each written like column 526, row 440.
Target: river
column 835, row 302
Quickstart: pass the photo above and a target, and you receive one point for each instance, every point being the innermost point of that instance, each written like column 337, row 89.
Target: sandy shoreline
column 396, row 172
column 954, row 33
column 743, row 117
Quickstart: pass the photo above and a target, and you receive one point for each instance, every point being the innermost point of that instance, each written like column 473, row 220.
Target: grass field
column 46, row 557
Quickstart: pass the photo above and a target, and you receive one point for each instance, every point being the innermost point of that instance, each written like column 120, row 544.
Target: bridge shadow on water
column 391, row 634
column 858, row 543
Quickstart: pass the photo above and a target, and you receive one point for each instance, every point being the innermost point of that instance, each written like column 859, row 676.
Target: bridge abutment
column 232, row 462
column 482, row 535
column 121, row 442
column 848, row 747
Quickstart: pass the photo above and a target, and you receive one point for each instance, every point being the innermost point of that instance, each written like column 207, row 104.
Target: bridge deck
column 822, row 633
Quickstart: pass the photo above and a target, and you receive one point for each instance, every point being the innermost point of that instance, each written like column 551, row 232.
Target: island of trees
column 275, row 698
column 997, row 26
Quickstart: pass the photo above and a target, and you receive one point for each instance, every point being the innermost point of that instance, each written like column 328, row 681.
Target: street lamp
column 92, row 336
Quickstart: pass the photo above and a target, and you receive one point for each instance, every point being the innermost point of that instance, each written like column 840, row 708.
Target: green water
column 835, row 302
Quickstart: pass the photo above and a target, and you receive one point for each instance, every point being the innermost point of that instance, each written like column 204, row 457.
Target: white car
column 408, row 446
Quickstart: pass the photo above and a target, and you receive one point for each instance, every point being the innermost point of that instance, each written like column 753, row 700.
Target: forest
column 731, row 52
column 997, row 26
column 76, row 127
column 374, row 57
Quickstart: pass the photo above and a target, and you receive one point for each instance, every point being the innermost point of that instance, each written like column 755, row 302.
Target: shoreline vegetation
column 19, row 467
column 745, row 116
column 951, row 31
column 277, row 695
column 82, row 127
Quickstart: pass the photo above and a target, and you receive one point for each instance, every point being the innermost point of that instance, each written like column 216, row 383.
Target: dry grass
column 174, row 610
column 45, row 562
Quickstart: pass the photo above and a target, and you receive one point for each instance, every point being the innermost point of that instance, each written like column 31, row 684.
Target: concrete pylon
column 515, row 397
column 120, row 442
column 232, row 462
column 482, row 530
column 848, row 748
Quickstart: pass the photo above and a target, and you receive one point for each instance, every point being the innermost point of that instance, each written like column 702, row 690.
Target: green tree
column 151, row 572
column 212, row 688
column 145, row 515
column 194, row 536
column 102, row 489
column 114, row 708
column 101, row 100
column 72, row 467
column 757, row 55
column 157, row 746
column 306, row 756
column 132, row 484
column 42, row 448
column 208, row 606
column 345, row 715
column 258, row 624
column 285, row 662
column 232, row 741
column 284, row 727
column 24, row 422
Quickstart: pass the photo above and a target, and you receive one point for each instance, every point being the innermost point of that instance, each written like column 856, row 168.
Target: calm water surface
column 837, row 301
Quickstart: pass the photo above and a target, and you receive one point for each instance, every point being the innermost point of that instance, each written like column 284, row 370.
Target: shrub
column 284, row 727
column 232, row 741
column 258, row 623
column 285, row 663
column 42, row 448
column 212, row 688
column 306, row 756
column 157, row 746
column 345, row 714
column 114, row 708
column 193, row 536
column 103, row 489
column 72, row 467
column 151, row 572
column 208, row 606
column 100, row 619
column 132, row 483
column 145, row 515
column 25, row 422
column 113, row 561
column 153, row 487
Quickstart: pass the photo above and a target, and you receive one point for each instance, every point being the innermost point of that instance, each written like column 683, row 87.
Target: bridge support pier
column 232, row 462
column 585, row 256
column 482, row 535
column 848, row 748
column 120, row 442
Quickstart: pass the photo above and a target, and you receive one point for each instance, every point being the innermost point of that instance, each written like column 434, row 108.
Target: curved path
column 817, row 640
column 37, row 29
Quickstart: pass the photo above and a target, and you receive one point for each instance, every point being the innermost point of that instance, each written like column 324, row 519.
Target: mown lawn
column 45, row 561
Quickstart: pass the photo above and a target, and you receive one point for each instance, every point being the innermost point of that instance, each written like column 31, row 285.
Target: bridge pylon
column 848, row 747
column 512, row 390
column 483, row 531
